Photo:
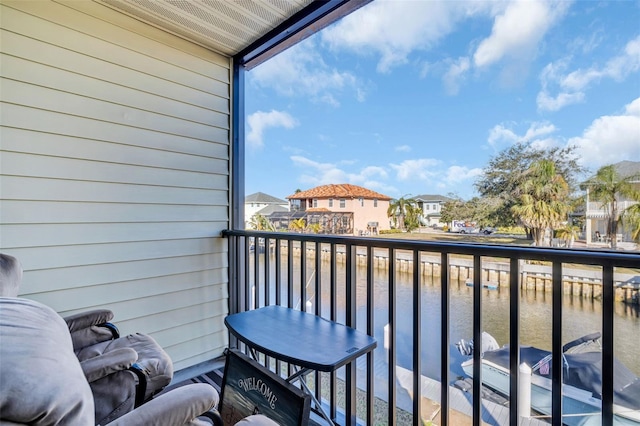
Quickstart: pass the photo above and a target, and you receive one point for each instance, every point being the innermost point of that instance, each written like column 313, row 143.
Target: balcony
column 597, row 210
column 406, row 292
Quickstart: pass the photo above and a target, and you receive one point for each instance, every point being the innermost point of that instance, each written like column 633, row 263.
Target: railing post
column 444, row 339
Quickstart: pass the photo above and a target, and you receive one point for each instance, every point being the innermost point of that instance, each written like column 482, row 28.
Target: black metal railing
column 309, row 271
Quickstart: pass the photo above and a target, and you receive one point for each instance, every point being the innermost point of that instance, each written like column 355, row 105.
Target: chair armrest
column 87, row 319
column 111, row 362
column 91, row 327
column 179, row 406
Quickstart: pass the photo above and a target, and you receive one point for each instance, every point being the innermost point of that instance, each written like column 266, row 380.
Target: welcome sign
column 249, row 388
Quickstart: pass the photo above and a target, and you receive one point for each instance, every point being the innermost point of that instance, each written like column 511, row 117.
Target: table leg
column 300, row 376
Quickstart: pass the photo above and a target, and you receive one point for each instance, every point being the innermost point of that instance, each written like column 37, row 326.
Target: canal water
column 580, row 316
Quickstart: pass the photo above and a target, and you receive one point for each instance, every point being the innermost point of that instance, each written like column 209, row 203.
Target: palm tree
column 260, row 223
column 541, row 199
column 314, row 228
column 631, row 220
column 298, row 225
column 607, row 186
column 401, row 208
column 569, row 233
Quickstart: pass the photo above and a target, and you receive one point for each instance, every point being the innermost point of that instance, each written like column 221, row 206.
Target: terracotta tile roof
column 343, row 190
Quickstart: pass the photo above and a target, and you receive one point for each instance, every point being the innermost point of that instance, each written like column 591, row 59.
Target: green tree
column 479, row 210
column 569, row 233
column 499, row 185
column 606, row 187
column 631, row 220
column 412, row 217
column 399, row 209
column 456, row 209
column 541, row 202
column 260, row 223
column 297, row 225
column 314, row 228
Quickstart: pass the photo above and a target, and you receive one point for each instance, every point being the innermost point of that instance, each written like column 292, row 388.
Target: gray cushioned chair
column 43, row 382
column 146, row 367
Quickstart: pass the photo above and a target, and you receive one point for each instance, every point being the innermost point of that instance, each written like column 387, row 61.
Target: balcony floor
column 492, row 413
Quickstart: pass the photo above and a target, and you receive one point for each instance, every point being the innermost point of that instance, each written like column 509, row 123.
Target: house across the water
column 337, row 209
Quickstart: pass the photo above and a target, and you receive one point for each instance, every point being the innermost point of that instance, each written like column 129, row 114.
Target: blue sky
column 413, row 97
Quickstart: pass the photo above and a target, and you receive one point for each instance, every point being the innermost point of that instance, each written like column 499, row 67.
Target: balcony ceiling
column 230, row 27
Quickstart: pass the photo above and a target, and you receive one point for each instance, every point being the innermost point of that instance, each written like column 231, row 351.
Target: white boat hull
column 579, row 407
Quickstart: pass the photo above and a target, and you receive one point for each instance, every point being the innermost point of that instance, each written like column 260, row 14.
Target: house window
column 330, row 202
column 427, row 206
column 315, row 202
column 343, row 203
column 375, row 202
column 361, row 201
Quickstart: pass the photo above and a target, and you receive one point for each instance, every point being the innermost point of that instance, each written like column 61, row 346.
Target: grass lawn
column 432, row 235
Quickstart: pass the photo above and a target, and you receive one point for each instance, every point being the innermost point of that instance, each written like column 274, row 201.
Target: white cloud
column 617, row 68
column 421, row 169
column 403, row 148
column 457, row 174
column 499, row 134
column 394, row 29
column 423, row 172
column 610, row 139
column 317, row 173
column 571, row 86
column 455, row 75
column 503, row 134
column 260, row 121
column 301, row 71
column 518, row 30
column 549, row 103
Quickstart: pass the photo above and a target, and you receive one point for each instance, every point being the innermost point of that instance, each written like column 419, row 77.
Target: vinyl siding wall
column 114, row 171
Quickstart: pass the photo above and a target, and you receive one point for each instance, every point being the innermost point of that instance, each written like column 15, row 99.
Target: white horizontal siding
column 114, row 168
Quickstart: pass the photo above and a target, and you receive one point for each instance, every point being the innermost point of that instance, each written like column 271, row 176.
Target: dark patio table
column 300, row 338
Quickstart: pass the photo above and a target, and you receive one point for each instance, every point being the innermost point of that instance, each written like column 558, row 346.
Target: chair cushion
column 42, row 381
column 152, row 359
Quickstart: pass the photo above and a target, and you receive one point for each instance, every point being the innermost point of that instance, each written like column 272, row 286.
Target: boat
column 490, row 286
column 582, row 379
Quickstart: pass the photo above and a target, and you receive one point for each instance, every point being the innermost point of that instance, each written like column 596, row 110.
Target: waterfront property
column 339, row 209
column 121, row 166
column 263, row 204
column 431, row 207
column 597, row 212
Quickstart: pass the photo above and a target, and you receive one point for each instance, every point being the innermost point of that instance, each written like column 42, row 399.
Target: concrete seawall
column 583, row 282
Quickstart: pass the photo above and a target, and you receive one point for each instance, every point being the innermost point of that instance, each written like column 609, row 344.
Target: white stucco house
column 263, row 204
column 431, row 207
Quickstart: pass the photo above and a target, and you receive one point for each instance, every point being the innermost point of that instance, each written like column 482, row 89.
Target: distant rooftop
column 627, row 168
column 343, row 190
column 624, row 169
column 267, row 210
column 261, row 197
column 429, row 197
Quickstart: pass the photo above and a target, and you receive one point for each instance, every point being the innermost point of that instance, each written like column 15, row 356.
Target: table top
column 299, row 338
